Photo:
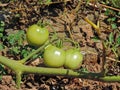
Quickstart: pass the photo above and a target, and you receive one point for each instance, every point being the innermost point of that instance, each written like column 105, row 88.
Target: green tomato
column 37, row 35
column 54, row 57
column 73, row 59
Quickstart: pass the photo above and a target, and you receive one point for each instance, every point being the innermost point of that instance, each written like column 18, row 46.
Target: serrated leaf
column 15, row 50
column 24, row 53
column 16, row 38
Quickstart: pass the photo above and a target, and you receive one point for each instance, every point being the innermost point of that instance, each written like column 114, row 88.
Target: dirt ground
column 63, row 18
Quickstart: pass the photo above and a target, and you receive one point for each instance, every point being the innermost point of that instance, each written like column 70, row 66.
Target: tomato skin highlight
column 54, row 57
column 37, row 35
column 73, row 59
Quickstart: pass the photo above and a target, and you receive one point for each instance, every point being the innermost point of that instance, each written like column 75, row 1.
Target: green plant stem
column 110, row 78
column 34, row 52
column 20, row 69
column 18, row 78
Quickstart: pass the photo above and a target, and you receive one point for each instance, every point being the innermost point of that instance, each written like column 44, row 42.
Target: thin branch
column 34, row 52
column 110, row 7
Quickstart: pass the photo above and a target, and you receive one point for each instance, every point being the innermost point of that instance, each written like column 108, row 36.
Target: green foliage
column 2, row 24
column 116, row 3
column 2, row 71
column 112, row 18
column 1, row 46
column 15, row 42
column 16, row 38
column 95, row 39
column 113, row 3
column 84, row 70
column 118, row 40
column 113, row 43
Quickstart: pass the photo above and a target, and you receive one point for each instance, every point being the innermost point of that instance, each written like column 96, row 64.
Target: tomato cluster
column 53, row 56
column 56, row 57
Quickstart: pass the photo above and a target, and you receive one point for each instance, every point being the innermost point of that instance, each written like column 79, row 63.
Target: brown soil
column 63, row 18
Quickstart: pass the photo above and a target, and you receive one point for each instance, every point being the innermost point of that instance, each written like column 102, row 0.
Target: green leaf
column 11, row 39
column 114, row 26
column 1, row 46
column 16, row 38
column 111, row 38
column 2, row 70
column 107, row 12
column 15, row 50
column 48, row 1
column 1, row 35
column 118, row 40
column 84, row 70
column 2, row 24
column 95, row 39
column 113, row 19
column 24, row 53
column 1, row 29
column 116, row 3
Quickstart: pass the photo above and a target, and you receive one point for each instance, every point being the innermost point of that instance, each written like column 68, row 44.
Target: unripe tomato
column 37, row 35
column 53, row 56
column 73, row 59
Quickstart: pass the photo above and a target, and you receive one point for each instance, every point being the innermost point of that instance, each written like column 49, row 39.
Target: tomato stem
column 18, row 78
column 34, row 52
column 20, row 69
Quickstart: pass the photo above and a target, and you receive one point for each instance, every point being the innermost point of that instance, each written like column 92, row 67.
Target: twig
column 18, row 9
column 3, row 5
column 110, row 7
column 78, row 6
column 34, row 52
column 97, row 28
column 105, row 6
